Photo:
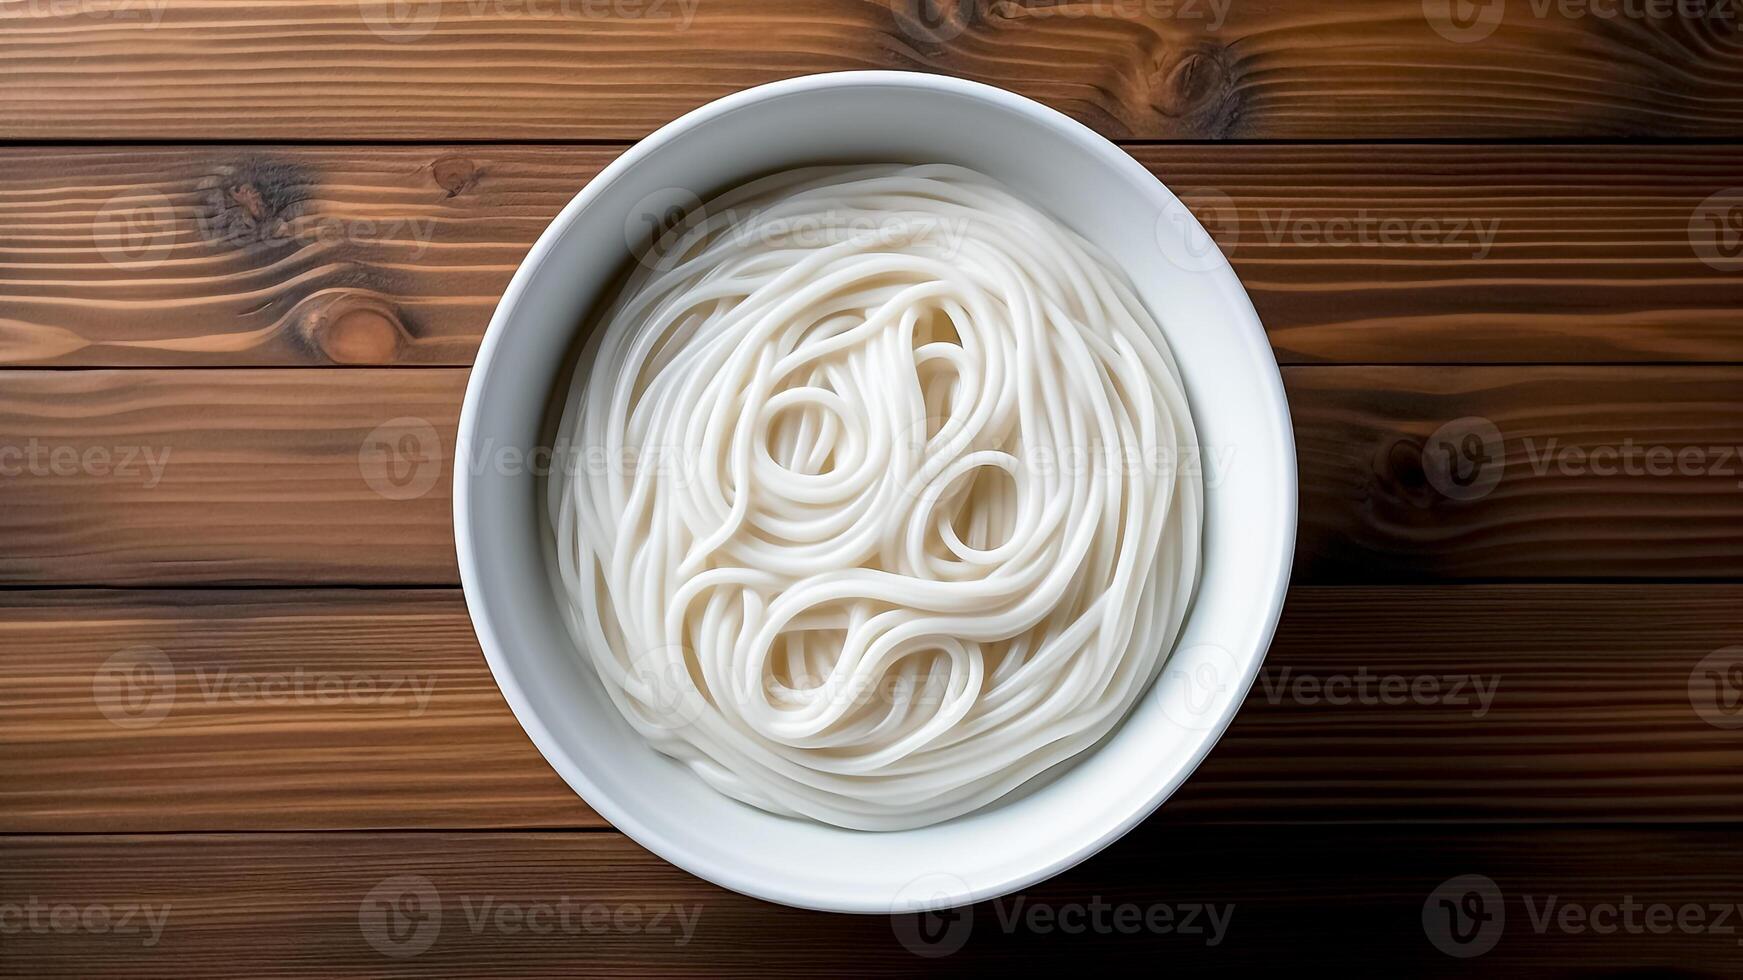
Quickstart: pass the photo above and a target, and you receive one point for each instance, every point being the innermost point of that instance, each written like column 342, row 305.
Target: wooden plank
column 324, row 477
column 270, row 256
column 580, row 69
column 1542, row 703
column 1648, row 901
column 288, row 256
column 244, row 709
column 1449, row 473
column 334, row 710
column 226, row 477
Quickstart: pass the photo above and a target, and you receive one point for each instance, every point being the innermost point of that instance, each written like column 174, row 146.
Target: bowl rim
column 1247, row 324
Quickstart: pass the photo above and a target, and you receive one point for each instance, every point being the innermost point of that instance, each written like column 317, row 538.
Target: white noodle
column 876, row 499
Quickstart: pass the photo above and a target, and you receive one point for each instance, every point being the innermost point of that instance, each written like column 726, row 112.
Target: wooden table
column 246, row 248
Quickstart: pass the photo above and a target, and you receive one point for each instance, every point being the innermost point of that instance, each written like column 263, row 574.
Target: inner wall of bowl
column 1211, row 327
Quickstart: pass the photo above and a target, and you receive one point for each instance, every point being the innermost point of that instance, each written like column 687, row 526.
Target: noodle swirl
column 872, row 505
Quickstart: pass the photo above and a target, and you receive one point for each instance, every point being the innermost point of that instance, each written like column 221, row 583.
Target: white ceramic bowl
column 1237, row 401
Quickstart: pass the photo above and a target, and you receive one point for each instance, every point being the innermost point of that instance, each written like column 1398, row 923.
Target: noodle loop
column 876, row 498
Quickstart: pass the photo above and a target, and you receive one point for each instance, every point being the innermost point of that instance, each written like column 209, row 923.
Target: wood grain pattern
column 233, row 477
column 288, row 256
column 290, row 710
column 274, row 256
column 324, row 477
column 1506, row 364
column 321, row 905
column 615, row 69
column 334, row 710
column 1597, row 472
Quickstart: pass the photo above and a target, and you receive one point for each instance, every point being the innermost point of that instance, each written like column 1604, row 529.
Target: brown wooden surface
column 348, row 710
column 1370, row 513
column 294, row 256
column 615, row 69
column 269, row 905
column 243, row 238
column 264, row 477
column 259, row 478
column 289, row 710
